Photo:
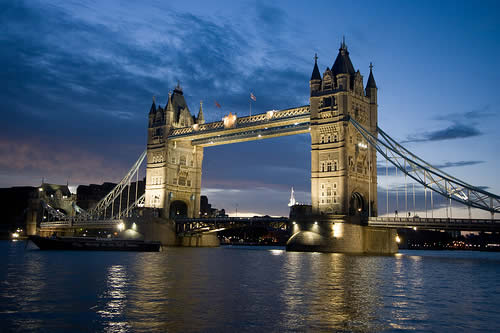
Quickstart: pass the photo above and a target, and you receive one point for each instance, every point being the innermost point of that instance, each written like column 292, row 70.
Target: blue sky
column 78, row 77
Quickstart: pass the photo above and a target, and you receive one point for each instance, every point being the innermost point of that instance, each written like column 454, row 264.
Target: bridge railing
column 257, row 119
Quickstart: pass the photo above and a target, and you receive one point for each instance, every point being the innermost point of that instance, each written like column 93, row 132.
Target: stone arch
column 178, row 208
column 357, row 204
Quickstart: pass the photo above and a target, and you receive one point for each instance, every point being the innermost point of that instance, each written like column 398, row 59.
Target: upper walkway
column 232, row 129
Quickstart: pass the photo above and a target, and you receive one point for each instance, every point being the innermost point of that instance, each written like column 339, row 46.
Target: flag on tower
column 217, row 105
column 252, row 97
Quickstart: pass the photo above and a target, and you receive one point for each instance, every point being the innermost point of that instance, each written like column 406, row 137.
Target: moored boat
column 93, row 244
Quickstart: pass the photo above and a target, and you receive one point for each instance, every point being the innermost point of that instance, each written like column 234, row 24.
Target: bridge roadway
column 214, row 224
column 436, row 223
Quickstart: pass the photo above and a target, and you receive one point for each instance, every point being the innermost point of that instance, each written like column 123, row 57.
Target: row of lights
column 337, row 231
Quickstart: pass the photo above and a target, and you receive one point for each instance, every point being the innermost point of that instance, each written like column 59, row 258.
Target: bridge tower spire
column 343, row 165
column 173, row 173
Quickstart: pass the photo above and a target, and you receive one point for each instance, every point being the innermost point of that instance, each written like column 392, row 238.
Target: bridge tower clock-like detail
column 343, row 165
column 173, row 172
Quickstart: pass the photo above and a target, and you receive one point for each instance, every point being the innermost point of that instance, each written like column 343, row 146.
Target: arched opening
column 357, row 204
column 178, row 209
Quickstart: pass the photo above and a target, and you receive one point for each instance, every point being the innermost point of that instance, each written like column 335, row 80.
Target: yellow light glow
column 134, row 226
column 338, row 230
column 121, row 226
column 15, row 235
column 398, row 240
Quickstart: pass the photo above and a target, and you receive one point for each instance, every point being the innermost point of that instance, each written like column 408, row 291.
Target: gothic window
column 328, row 192
column 334, row 185
column 173, row 159
column 192, row 162
column 188, row 182
column 328, row 200
column 322, row 140
column 322, row 166
column 329, row 166
column 322, row 186
column 182, row 181
column 334, row 200
column 335, row 137
column 174, row 181
column 329, row 138
column 350, row 139
column 322, row 201
column 182, row 160
column 327, row 101
column 335, row 165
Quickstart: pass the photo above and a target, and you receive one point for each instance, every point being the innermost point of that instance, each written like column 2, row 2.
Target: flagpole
column 250, row 108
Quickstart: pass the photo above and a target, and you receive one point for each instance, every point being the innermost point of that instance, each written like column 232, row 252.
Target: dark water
column 247, row 289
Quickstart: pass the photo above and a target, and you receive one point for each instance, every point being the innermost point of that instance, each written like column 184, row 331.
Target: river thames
column 255, row 289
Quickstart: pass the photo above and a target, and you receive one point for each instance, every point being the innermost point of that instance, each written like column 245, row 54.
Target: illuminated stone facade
column 173, row 174
column 343, row 166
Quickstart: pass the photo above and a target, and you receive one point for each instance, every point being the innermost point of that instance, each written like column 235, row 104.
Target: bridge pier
column 340, row 234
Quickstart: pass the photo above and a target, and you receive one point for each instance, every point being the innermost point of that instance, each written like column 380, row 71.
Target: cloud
column 454, row 131
column 479, row 113
column 464, row 125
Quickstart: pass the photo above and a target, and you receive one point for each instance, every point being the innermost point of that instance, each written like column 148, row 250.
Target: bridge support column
column 31, row 217
column 341, row 235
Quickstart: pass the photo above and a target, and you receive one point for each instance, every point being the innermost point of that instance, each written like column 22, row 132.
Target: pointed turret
column 315, row 74
column 371, row 87
column 152, row 113
column 200, row 119
column 315, row 82
column 343, row 64
column 371, row 81
column 153, row 107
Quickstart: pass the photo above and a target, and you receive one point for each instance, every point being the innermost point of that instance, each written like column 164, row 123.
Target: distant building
column 206, row 209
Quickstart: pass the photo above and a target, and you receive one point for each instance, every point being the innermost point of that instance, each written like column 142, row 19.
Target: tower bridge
column 341, row 119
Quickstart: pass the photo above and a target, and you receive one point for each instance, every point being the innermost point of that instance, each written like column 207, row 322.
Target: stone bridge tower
column 343, row 166
column 173, row 172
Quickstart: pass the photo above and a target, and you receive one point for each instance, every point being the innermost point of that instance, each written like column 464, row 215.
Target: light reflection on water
column 247, row 289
